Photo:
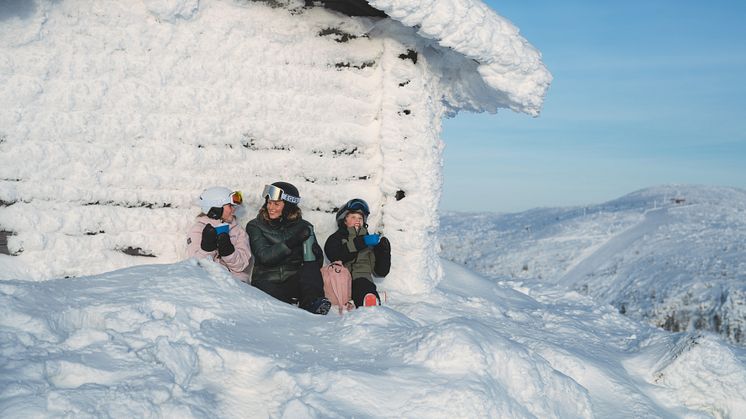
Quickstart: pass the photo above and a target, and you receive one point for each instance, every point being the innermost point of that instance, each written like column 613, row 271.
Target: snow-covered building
column 114, row 115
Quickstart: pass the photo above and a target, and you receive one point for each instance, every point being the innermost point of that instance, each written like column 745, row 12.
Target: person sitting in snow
column 288, row 259
column 362, row 253
column 216, row 234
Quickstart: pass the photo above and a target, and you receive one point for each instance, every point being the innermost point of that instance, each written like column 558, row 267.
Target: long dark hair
column 290, row 213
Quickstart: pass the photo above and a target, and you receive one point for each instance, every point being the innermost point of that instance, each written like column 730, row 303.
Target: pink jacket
column 240, row 263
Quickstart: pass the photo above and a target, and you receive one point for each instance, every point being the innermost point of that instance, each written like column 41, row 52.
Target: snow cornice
column 508, row 64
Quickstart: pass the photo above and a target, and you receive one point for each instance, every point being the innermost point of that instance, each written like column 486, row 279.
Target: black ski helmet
column 353, row 205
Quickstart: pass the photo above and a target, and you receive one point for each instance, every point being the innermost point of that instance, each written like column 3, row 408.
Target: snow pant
column 360, row 287
column 303, row 288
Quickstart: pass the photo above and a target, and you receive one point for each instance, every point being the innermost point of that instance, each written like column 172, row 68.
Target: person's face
column 274, row 209
column 354, row 220
column 228, row 213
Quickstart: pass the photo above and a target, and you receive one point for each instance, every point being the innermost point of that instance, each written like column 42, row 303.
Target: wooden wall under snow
column 122, row 117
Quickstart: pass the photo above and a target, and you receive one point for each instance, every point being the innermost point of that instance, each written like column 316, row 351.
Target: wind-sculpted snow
column 674, row 256
column 511, row 68
column 187, row 340
column 114, row 116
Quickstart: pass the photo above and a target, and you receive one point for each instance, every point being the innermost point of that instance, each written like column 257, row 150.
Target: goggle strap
column 290, row 198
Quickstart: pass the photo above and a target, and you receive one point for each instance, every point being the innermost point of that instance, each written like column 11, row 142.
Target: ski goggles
column 273, row 193
column 358, row 204
column 236, row 198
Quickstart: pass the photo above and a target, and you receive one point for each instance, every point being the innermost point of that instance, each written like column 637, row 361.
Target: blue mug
column 222, row 228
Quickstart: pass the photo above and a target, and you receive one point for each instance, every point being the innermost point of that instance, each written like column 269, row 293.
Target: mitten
column 371, row 239
column 359, row 243
column 298, row 238
column 225, row 247
column 383, row 246
column 383, row 257
column 209, row 239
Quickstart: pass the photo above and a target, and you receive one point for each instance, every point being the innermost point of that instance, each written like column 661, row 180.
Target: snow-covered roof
column 508, row 64
column 128, row 111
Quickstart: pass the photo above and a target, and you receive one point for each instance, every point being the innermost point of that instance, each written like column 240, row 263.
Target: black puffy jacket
column 274, row 260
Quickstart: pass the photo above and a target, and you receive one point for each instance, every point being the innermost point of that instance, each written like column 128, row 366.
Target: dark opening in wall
column 337, row 34
column 149, row 205
column 399, row 195
column 410, row 55
column 359, row 66
column 348, row 7
column 135, row 251
column 4, row 241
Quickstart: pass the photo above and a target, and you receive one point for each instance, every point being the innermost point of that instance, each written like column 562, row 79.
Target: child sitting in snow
column 363, row 254
column 216, row 235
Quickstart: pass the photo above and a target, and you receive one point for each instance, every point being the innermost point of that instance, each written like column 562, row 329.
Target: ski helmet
column 211, row 201
column 353, row 205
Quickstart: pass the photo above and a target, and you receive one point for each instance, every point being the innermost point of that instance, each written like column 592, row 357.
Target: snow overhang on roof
column 349, row 7
column 508, row 64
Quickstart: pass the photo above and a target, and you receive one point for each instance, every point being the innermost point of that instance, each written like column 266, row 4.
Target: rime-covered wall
column 114, row 116
column 122, row 112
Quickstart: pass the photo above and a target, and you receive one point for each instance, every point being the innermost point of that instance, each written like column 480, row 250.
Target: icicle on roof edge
column 508, row 64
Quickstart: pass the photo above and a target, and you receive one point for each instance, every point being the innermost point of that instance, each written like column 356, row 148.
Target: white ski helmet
column 214, row 197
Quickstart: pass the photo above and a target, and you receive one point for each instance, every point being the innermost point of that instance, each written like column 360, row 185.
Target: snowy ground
column 681, row 265
column 125, row 85
column 186, row 340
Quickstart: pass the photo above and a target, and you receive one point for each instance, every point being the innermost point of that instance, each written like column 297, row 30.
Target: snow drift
column 188, row 340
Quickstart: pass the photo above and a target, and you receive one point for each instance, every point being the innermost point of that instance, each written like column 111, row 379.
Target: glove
column 209, row 239
column 298, row 238
column 225, row 247
column 371, row 239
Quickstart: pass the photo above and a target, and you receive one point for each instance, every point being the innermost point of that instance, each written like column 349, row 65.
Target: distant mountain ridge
column 674, row 255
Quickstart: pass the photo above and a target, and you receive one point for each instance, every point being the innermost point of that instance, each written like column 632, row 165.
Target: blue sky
column 644, row 93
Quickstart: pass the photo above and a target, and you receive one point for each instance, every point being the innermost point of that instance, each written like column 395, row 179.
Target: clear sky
column 644, row 93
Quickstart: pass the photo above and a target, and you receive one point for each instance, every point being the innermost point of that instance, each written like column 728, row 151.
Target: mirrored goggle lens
column 273, row 193
column 236, row 198
column 358, row 205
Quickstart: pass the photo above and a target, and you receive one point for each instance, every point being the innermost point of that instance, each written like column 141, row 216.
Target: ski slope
column 653, row 220
column 671, row 255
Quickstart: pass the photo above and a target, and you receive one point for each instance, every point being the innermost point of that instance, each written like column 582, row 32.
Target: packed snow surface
column 188, row 340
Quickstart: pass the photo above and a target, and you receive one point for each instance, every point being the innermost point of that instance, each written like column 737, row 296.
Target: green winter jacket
column 275, row 261
column 347, row 245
